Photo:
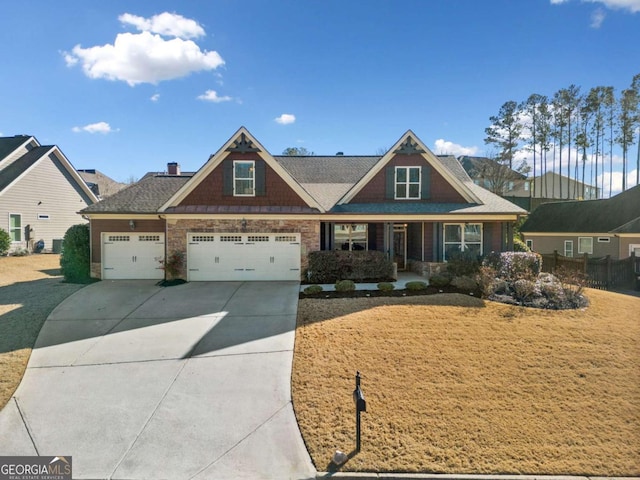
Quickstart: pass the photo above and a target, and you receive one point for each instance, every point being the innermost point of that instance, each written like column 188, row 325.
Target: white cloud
column 616, row 180
column 442, row 146
column 146, row 57
column 99, row 127
column 285, row 119
column 597, row 17
column 632, row 5
column 155, row 97
column 170, row 24
column 212, row 96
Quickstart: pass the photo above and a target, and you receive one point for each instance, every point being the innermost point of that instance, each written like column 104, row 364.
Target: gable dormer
column 409, row 172
column 242, row 173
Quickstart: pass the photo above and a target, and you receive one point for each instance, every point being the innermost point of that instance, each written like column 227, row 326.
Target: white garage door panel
column 243, row 257
column 132, row 256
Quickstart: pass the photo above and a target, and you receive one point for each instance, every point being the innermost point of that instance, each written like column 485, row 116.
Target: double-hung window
column 585, row 245
column 462, row 237
column 568, row 248
column 407, row 183
column 244, row 178
column 15, row 227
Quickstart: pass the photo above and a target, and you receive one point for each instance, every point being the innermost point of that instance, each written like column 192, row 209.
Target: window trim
column 529, row 243
column 13, row 229
column 604, row 239
column 566, row 243
column 407, row 183
column 349, row 239
column 252, row 178
column 580, row 251
column 462, row 242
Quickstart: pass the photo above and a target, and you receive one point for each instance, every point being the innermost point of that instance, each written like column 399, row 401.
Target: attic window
column 244, row 178
column 407, row 183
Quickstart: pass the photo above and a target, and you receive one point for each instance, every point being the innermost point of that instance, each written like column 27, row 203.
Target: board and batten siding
column 46, row 189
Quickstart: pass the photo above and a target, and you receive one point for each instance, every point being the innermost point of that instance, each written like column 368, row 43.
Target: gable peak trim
column 243, row 145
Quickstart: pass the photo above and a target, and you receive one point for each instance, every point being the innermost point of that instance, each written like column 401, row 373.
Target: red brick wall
column 210, row 190
column 441, row 190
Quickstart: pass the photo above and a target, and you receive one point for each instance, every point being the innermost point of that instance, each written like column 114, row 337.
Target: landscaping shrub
column 512, row 266
column 520, row 246
column 313, row 289
column 572, row 283
column 460, row 264
column 386, row 286
column 525, row 290
column 74, row 260
column 20, row 252
column 465, row 282
column 173, row 264
column 332, row 265
column 5, row 242
column 440, row 280
column 416, row 285
column 345, row 286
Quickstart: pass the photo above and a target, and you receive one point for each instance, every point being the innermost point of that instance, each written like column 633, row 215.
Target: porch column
column 422, row 241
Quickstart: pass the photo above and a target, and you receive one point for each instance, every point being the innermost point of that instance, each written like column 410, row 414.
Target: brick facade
column 309, row 230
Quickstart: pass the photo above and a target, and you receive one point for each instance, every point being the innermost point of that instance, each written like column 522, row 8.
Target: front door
column 400, row 246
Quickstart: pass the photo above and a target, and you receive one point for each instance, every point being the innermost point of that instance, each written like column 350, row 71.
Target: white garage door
column 233, row 256
column 132, row 256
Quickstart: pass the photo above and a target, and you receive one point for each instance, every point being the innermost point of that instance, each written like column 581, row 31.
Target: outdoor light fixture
column 132, row 225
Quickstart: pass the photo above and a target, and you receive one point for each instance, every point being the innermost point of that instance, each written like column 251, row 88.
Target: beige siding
column 550, row 243
column 46, row 189
column 624, row 245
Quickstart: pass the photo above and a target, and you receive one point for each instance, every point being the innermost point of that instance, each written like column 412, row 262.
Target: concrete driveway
column 135, row 381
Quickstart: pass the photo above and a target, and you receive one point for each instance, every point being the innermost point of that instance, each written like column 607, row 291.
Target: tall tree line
column 571, row 133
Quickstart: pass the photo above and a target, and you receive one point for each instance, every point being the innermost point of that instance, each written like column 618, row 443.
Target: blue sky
column 348, row 76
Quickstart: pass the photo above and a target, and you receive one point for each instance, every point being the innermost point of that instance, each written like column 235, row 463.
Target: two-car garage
column 210, row 256
column 243, row 256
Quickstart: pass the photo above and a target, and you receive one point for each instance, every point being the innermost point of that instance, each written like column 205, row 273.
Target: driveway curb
column 431, row 476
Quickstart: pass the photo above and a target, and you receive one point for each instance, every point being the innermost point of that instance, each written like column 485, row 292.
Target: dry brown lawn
column 457, row 385
column 30, row 288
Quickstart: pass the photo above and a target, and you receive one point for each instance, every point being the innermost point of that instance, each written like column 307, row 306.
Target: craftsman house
column 40, row 193
column 596, row 228
column 250, row 215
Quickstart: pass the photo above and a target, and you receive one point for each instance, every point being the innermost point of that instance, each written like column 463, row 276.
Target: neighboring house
column 554, row 186
column 250, row 215
column 40, row 192
column 492, row 175
column 594, row 227
column 101, row 185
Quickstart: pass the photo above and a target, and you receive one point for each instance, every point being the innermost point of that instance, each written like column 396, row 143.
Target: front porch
column 425, row 242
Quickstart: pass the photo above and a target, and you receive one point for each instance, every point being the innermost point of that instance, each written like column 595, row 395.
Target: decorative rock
column 339, row 457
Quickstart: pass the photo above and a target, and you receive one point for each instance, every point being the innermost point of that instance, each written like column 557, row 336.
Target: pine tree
column 504, row 132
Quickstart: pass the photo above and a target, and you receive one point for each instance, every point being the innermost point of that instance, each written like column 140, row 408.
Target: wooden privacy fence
column 603, row 273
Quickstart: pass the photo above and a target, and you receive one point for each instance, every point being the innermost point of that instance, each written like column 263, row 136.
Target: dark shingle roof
column 336, row 169
column 615, row 214
column 146, row 196
column 9, row 144
column 17, row 168
column 478, row 167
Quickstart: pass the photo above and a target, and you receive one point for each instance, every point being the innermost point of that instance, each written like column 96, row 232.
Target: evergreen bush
column 74, row 260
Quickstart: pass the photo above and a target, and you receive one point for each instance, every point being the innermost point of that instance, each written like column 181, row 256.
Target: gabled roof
column 101, row 185
column 10, row 144
column 325, row 180
column 411, row 141
column 145, row 196
column 618, row 214
column 241, row 137
column 477, row 167
column 20, row 167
